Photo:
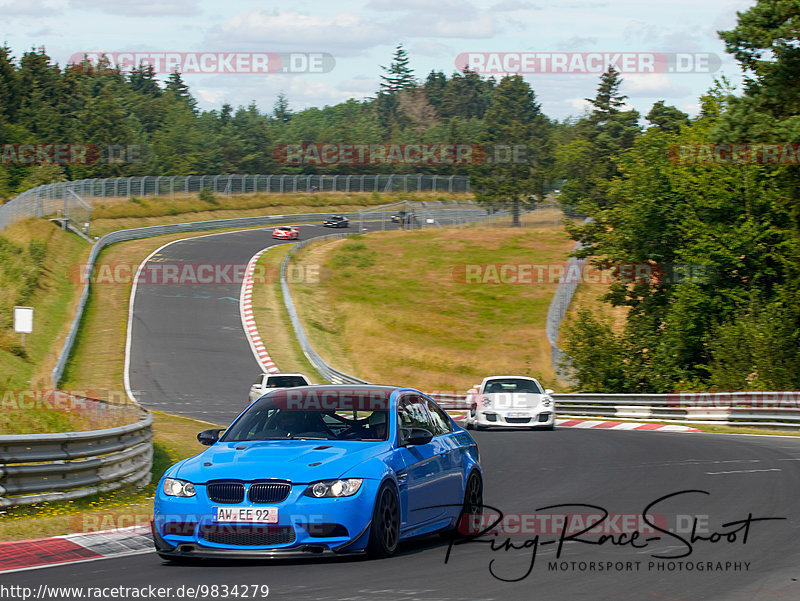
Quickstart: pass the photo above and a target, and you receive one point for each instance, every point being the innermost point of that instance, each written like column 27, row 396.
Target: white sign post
column 23, row 321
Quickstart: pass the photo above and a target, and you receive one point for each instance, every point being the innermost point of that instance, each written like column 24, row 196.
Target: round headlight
column 350, row 486
column 173, row 487
column 334, row 488
column 320, row 489
column 178, row 488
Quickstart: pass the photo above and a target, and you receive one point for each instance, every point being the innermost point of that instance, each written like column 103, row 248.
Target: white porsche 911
column 510, row 402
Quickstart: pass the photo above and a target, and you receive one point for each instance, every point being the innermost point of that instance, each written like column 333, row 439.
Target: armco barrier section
column 36, row 468
column 559, row 305
column 765, row 409
column 774, row 409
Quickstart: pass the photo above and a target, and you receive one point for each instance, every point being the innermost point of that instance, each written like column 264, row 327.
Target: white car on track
column 267, row 382
column 510, row 402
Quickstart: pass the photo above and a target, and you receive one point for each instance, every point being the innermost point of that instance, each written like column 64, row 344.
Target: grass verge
column 395, row 307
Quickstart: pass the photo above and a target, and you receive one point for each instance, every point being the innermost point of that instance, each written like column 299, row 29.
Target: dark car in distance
column 336, row 221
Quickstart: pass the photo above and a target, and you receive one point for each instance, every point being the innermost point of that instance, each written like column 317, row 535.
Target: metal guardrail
column 718, row 408
column 48, row 199
column 37, row 468
column 559, row 305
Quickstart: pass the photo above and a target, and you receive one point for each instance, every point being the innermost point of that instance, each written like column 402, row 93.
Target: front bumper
column 183, row 527
column 525, row 419
column 193, row 550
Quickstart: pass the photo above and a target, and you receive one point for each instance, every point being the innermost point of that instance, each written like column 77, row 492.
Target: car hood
column 296, row 460
column 513, row 400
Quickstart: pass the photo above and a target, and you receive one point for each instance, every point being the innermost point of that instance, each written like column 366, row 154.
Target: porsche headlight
column 546, row 401
column 178, row 488
column 334, row 488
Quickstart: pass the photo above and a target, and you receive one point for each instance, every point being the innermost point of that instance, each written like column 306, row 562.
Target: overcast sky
column 361, row 35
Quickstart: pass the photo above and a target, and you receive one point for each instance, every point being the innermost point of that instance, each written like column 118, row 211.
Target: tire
column 473, row 498
column 469, row 425
column 384, row 533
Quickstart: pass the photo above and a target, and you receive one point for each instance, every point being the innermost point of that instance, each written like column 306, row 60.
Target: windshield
column 512, row 385
column 312, row 414
column 285, row 381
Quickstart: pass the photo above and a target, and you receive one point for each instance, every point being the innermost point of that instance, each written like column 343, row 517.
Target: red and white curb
column 248, row 321
column 18, row 556
column 605, row 425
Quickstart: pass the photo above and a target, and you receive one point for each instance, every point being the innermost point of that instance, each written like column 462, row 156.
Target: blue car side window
column 412, row 412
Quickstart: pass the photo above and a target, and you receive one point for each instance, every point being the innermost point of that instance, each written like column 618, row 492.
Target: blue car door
column 452, row 457
column 424, row 480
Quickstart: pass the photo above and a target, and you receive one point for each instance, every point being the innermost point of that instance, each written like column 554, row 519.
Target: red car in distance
column 286, row 232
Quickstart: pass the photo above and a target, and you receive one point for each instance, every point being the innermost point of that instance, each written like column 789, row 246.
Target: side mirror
column 209, row 437
column 548, row 391
column 417, row 436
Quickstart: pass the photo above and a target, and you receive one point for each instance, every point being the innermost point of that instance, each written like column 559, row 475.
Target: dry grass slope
column 394, row 307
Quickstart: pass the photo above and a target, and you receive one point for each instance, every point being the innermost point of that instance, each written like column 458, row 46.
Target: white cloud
column 358, row 86
column 650, row 85
column 692, row 108
column 430, row 48
column 31, row 8
column 141, row 8
column 345, row 33
column 577, row 43
column 461, row 25
column 215, row 97
column 579, row 104
column 514, row 5
column 442, row 6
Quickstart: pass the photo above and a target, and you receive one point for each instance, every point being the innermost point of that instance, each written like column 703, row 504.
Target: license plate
column 252, row 515
column 518, row 415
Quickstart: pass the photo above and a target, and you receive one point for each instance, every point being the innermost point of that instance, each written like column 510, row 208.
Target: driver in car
column 377, row 425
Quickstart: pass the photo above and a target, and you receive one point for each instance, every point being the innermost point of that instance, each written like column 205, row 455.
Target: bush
column 37, row 249
column 207, row 195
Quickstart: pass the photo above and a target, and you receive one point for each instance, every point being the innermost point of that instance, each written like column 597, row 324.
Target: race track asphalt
column 190, row 356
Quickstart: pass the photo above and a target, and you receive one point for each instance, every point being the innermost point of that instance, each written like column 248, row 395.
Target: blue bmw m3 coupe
column 320, row 470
